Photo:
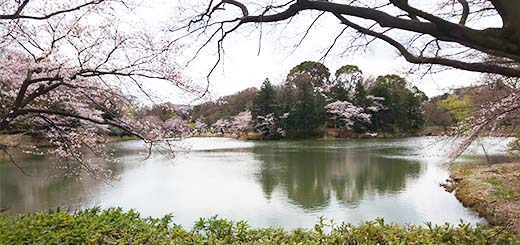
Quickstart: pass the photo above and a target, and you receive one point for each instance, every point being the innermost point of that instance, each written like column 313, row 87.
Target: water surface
column 282, row 183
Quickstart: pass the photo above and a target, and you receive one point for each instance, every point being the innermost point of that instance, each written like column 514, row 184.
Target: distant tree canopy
column 434, row 115
column 312, row 72
column 307, row 114
column 349, row 76
column 403, row 104
column 458, row 107
column 266, row 112
column 164, row 111
column 264, row 101
column 309, row 104
column 461, row 104
column 310, row 101
column 478, row 36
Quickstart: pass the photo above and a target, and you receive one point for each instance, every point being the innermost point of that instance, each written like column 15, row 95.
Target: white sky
column 243, row 67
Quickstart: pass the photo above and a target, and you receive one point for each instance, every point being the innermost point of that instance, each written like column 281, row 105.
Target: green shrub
column 113, row 226
column 514, row 146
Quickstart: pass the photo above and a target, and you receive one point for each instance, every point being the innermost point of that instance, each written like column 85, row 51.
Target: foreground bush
column 113, row 226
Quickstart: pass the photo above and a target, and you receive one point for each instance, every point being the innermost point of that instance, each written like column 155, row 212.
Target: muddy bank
column 491, row 190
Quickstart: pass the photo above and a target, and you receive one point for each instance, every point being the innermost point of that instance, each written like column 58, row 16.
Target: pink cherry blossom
column 347, row 113
column 67, row 73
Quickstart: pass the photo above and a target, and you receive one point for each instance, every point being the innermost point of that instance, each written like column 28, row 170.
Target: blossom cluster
column 268, row 125
column 491, row 117
column 235, row 124
column 347, row 113
column 69, row 79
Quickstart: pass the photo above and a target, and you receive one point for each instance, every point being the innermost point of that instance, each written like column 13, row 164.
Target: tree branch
column 478, row 67
column 489, row 41
column 465, row 12
column 18, row 15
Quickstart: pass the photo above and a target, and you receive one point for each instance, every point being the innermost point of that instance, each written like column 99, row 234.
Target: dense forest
column 312, row 102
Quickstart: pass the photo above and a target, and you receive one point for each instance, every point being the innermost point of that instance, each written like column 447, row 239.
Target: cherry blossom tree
column 345, row 114
column 222, row 125
column 241, row 122
column 490, row 118
column 42, row 10
column 269, row 126
column 235, row 124
column 177, row 127
column 200, row 126
column 65, row 67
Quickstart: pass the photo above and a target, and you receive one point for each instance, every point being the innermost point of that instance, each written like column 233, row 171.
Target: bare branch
column 488, row 41
column 18, row 15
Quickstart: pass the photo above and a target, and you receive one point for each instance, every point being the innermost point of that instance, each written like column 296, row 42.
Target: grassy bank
column 113, row 226
column 492, row 190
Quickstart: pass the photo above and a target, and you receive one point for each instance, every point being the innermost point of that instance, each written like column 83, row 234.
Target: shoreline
column 492, row 190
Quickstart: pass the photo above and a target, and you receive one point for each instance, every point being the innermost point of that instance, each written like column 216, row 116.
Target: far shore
column 335, row 134
column 24, row 140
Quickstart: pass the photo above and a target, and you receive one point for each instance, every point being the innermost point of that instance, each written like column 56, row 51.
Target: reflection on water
column 41, row 190
column 312, row 174
column 288, row 184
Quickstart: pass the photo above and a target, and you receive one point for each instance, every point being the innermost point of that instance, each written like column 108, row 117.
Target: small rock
column 457, row 179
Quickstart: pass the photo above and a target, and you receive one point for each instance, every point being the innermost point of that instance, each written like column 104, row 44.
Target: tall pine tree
column 265, row 112
column 264, row 102
column 308, row 113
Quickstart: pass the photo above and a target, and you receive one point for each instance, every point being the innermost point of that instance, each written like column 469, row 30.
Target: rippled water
column 282, row 183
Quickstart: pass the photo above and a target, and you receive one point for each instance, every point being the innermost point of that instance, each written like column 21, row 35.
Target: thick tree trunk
column 509, row 10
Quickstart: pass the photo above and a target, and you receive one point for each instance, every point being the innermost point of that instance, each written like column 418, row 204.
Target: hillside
column 224, row 107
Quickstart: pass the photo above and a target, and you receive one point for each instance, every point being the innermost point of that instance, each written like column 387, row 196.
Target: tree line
column 311, row 101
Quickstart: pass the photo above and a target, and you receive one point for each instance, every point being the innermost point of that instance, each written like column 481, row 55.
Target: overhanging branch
column 477, row 67
column 489, row 41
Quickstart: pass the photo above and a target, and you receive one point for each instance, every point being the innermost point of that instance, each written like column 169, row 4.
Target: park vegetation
column 493, row 190
column 65, row 78
column 66, row 66
column 476, row 36
column 113, row 226
column 68, row 69
column 310, row 101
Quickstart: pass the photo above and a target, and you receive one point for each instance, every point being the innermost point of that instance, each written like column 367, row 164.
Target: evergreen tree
column 338, row 92
column 265, row 111
column 264, row 102
column 348, row 76
column 360, row 95
column 313, row 72
column 403, row 105
column 308, row 113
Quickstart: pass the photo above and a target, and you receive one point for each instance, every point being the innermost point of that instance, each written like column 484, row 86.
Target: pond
column 279, row 183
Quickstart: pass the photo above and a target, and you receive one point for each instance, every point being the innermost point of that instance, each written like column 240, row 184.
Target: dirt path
column 491, row 190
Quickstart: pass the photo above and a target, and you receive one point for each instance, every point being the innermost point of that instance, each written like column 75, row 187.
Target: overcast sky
column 243, row 67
